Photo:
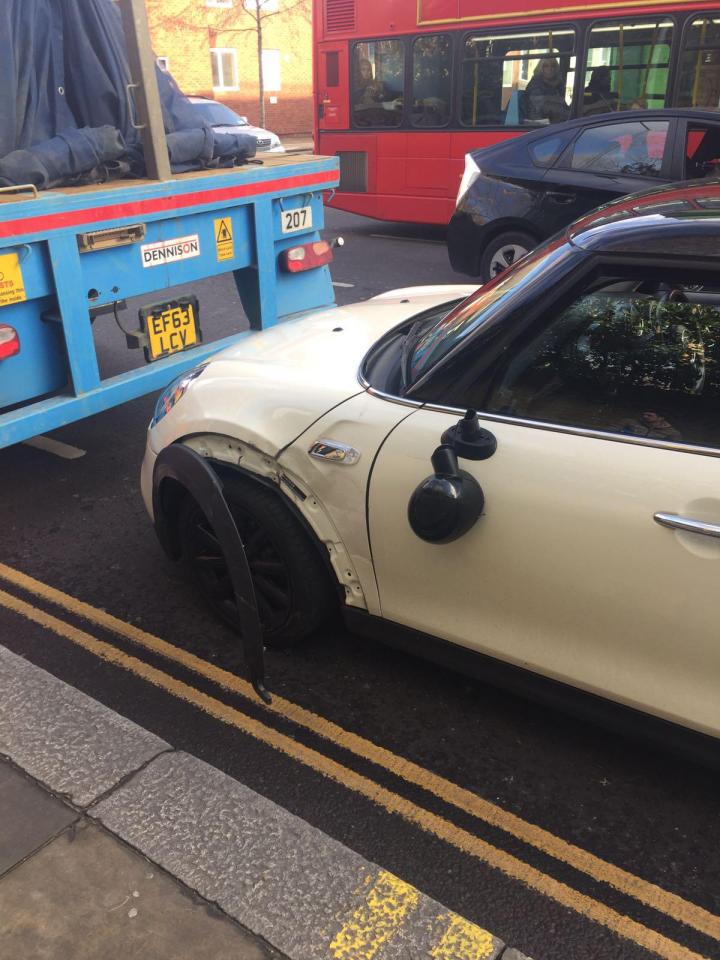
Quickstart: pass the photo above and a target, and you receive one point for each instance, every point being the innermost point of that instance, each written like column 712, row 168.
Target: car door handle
column 558, row 197
column 689, row 526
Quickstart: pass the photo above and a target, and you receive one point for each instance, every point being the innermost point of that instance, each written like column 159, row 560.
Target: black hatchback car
column 521, row 191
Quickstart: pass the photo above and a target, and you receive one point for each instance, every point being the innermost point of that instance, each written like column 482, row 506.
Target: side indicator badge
column 332, row 451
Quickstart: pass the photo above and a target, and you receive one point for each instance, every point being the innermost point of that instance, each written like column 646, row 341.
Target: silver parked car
column 225, row 120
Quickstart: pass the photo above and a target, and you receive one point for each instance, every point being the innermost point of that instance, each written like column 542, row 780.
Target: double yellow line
column 647, row 893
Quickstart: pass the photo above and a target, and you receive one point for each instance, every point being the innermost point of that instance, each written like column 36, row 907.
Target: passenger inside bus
column 544, row 97
column 598, row 96
column 368, row 90
column 431, row 80
column 373, row 104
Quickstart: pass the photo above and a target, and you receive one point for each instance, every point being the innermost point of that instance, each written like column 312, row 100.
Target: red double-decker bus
column 404, row 88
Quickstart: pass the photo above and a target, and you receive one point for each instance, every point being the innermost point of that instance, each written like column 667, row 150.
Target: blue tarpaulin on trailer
column 65, row 115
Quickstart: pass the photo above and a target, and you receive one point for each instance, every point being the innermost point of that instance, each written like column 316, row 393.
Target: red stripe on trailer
column 140, row 208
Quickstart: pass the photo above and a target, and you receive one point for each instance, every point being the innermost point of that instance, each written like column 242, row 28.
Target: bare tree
column 260, row 11
column 254, row 12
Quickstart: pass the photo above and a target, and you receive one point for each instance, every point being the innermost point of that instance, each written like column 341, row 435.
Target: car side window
column 702, row 151
column 622, row 361
column 632, row 148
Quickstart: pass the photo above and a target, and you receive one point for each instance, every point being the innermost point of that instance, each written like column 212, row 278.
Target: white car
column 224, row 120
column 571, row 529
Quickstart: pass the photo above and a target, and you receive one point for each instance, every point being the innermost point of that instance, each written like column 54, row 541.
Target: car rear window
column 545, row 152
column 218, row 114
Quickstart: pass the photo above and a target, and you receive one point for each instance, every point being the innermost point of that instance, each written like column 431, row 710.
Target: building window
column 224, row 69
column 271, row 69
column 163, row 63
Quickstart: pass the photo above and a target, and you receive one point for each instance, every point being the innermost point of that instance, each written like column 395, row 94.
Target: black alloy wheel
column 291, row 585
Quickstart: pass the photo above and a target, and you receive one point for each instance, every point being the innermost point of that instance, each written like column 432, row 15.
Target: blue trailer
column 69, row 254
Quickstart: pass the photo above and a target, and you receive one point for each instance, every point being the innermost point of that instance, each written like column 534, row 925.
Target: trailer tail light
column 306, row 257
column 9, row 341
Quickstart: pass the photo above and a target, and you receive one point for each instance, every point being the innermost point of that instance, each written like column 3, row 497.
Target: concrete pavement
column 114, row 844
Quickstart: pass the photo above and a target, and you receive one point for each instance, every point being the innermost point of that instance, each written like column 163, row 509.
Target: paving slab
column 303, row 892
column 29, row 816
column 86, row 896
column 71, row 743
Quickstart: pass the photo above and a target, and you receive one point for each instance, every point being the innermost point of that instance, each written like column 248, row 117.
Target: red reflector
column 306, row 257
column 9, row 341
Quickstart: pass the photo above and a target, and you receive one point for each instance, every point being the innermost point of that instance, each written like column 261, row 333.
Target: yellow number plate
column 171, row 327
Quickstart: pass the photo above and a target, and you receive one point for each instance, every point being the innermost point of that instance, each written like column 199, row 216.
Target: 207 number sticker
column 298, row 219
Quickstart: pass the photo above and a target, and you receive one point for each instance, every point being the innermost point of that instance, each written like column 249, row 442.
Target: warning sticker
column 12, row 288
column 224, row 239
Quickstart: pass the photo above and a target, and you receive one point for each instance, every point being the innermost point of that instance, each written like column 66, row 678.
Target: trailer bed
column 70, row 252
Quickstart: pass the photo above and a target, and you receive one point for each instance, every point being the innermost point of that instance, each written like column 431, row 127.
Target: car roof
column 598, row 119
column 680, row 220
column 619, row 116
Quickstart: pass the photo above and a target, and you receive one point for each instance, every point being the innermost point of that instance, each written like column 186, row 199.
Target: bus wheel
column 503, row 251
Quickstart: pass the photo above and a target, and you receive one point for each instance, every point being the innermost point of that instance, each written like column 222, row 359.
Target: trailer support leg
column 74, row 313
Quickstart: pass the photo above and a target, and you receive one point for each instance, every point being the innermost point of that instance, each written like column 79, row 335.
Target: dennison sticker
column 168, row 251
column 12, row 287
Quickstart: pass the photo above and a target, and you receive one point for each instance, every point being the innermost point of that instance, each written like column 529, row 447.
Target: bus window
column 700, row 65
column 627, row 66
column 518, row 79
column 431, row 73
column 378, row 74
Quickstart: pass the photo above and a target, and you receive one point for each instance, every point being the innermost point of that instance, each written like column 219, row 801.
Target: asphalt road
column 625, row 863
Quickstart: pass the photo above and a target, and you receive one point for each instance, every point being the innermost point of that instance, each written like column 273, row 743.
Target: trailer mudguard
column 191, row 471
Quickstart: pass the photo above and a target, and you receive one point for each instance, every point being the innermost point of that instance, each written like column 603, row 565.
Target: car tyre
column 292, row 585
column 502, row 251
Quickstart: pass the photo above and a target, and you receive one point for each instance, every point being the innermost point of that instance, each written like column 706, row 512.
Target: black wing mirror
column 448, row 503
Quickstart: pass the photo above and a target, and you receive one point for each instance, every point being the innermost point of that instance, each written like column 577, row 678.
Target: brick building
column 210, row 48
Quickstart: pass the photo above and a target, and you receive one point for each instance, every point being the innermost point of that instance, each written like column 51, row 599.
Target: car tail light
column 306, row 257
column 9, row 341
column 470, row 175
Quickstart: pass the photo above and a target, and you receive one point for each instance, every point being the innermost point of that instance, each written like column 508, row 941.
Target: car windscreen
column 480, row 309
column 219, row 115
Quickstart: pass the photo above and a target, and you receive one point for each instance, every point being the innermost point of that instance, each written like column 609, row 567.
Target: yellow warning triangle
column 223, row 234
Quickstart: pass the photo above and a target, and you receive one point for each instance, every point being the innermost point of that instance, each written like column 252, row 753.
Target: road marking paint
column 648, row 893
column 463, row 939
column 56, row 447
column 390, row 236
column 337, row 283
column 431, row 823
column 387, row 904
